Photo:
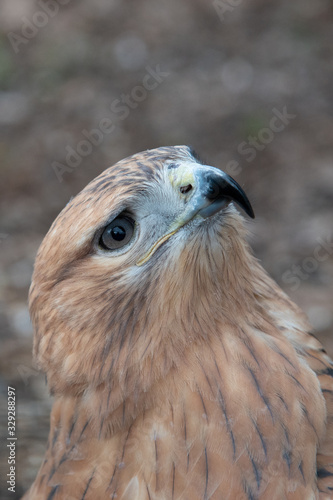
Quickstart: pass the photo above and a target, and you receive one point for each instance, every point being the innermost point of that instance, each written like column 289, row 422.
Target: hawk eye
column 117, row 234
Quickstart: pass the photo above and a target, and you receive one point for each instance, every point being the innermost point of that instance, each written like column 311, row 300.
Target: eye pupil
column 118, row 233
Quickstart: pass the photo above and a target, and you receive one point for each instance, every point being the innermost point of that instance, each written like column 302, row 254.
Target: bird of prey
column 179, row 369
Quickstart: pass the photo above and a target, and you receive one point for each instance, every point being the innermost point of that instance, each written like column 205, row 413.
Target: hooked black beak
column 219, row 189
column 206, row 191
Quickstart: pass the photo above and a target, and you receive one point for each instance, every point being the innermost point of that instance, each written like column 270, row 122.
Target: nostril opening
column 185, row 189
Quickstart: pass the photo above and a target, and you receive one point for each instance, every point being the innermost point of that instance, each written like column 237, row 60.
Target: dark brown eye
column 117, row 234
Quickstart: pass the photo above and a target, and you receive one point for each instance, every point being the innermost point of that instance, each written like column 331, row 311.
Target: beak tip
column 238, row 195
column 250, row 212
column 247, row 209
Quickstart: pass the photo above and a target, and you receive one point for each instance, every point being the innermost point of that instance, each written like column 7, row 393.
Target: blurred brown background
column 247, row 83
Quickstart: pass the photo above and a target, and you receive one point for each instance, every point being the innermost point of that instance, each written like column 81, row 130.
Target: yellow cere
column 182, row 175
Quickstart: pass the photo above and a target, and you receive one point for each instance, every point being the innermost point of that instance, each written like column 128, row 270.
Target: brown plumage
column 179, row 369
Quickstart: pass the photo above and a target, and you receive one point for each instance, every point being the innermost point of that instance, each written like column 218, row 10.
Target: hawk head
column 141, row 263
